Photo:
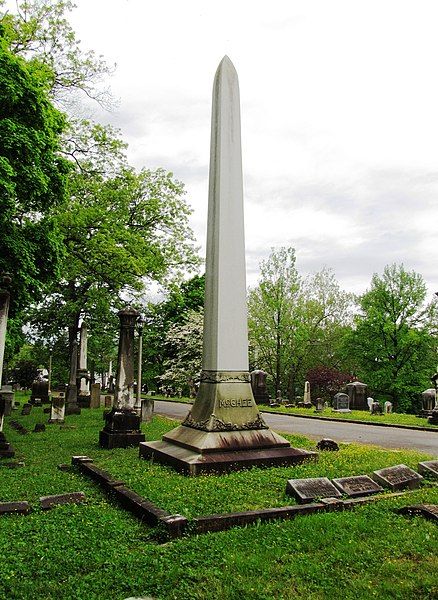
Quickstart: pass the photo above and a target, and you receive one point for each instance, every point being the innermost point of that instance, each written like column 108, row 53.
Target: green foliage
column 393, row 336
column 295, row 323
column 32, row 179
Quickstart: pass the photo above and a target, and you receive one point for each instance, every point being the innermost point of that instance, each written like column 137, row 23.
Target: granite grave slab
column 398, row 477
column 307, row 490
column 359, row 485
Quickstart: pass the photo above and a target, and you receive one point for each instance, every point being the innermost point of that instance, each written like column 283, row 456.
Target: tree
column 393, row 338
column 294, row 323
column 39, row 31
column 32, row 179
column 183, row 365
column 326, row 381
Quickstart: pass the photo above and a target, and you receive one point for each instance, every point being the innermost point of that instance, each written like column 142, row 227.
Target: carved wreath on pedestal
column 215, row 424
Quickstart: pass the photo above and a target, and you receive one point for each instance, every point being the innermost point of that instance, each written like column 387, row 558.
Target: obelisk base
column 122, row 429
column 224, row 431
column 192, row 462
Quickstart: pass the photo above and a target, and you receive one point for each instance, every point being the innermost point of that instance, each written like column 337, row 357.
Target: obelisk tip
column 226, row 65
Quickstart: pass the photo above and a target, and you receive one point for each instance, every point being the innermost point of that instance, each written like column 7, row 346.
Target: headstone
column 108, row 401
column 7, row 394
column 57, row 414
column 224, row 429
column 26, row 409
column 370, row 402
column 376, row 409
column 307, row 398
column 358, row 485
column 429, row 468
column 82, row 373
column 388, row 407
column 428, row 400
column 5, row 281
column 95, row 395
column 122, row 423
column 326, row 444
column 308, row 490
column 40, row 392
column 398, row 477
column 72, row 407
column 341, row 402
column 357, row 392
column 258, row 385
column 39, row 427
column 319, row 405
column 6, row 450
column 147, row 410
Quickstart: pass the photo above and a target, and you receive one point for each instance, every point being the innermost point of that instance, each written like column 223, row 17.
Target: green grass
column 98, row 551
column 357, row 415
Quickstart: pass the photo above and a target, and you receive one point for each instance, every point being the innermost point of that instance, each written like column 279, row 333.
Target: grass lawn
column 97, row 551
column 357, row 415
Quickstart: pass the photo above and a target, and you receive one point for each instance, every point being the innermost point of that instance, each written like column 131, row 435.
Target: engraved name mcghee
column 235, row 403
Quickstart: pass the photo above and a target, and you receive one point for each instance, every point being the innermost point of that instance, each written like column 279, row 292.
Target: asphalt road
column 388, row 437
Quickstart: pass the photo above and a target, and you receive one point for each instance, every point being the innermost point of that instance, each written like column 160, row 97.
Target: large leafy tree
column 32, row 178
column 394, row 339
column 295, row 323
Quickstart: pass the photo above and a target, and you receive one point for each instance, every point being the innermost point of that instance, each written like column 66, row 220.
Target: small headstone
column 341, row 402
column 39, row 427
column 26, row 409
column 429, row 468
column 307, row 490
column 370, row 402
column 95, row 395
column 147, row 410
column 327, row 444
column 398, row 477
column 108, row 401
column 12, row 464
column 46, row 410
column 359, row 485
column 388, row 407
column 52, row 501
column 319, row 405
column 57, row 413
column 430, row 511
column 376, row 409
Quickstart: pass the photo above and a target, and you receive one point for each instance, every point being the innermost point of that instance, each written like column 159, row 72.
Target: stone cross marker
column 224, row 423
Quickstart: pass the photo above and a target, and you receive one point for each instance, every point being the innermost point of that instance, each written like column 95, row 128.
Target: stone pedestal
column 122, row 423
column 121, row 430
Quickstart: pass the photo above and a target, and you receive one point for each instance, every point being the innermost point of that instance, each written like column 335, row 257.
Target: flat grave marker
column 429, row 468
column 359, row 485
column 398, row 477
column 430, row 511
column 307, row 490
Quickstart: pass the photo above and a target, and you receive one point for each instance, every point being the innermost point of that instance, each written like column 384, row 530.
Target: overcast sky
column 339, row 104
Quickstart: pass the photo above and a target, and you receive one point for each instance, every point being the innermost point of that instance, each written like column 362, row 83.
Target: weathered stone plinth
column 122, row 429
column 224, row 431
column 6, row 450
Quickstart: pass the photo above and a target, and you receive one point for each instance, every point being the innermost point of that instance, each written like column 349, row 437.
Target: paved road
column 388, row 437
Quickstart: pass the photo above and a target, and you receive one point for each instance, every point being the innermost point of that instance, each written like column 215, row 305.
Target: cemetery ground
column 97, row 550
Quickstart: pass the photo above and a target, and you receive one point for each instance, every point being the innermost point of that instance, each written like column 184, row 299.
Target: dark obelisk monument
column 224, row 430
column 122, row 423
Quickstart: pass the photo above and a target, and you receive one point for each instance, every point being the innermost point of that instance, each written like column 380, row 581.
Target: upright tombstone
column 6, row 450
column 122, row 423
column 82, row 373
column 428, row 401
column 57, row 412
column 388, row 407
column 358, row 393
column 147, row 410
column 258, row 385
column 72, row 407
column 95, row 395
column 341, row 402
column 307, row 400
column 224, row 429
column 40, row 391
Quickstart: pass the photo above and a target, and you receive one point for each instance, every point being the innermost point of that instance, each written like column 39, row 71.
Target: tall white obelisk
column 224, row 429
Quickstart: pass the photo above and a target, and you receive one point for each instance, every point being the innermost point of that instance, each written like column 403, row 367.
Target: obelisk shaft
column 225, row 321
